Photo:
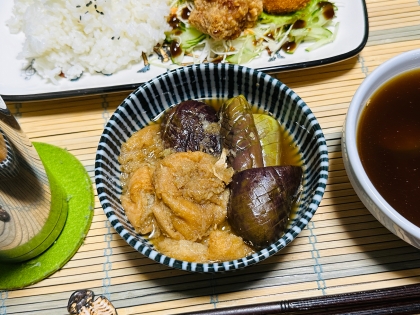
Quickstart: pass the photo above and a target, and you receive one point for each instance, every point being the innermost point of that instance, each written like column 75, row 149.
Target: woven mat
column 344, row 249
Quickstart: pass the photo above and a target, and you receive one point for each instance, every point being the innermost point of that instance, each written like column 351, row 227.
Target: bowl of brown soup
column 211, row 167
column 381, row 145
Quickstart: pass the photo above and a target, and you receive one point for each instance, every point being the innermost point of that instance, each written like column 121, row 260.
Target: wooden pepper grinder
column 33, row 207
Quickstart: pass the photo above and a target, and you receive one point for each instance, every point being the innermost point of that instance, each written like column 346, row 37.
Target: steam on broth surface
column 388, row 141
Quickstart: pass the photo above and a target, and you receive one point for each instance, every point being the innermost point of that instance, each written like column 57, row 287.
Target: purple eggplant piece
column 239, row 134
column 191, row 126
column 261, row 201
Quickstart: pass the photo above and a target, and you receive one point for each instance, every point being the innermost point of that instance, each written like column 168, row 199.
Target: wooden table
column 343, row 249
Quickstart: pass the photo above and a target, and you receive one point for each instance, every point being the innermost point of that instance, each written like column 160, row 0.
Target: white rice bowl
column 70, row 37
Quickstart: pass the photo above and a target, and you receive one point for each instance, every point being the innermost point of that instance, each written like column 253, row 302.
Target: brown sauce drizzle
column 185, row 13
column 270, row 35
column 175, row 49
column 327, row 9
column 173, row 21
column 299, row 24
column 289, row 46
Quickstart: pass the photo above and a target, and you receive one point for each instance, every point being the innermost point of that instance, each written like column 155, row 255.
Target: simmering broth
column 388, row 141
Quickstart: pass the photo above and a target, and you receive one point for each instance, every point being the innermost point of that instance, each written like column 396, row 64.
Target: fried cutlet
column 283, row 6
column 225, row 19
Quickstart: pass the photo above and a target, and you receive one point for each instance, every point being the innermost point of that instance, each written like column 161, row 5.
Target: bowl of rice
column 73, row 37
column 143, row 110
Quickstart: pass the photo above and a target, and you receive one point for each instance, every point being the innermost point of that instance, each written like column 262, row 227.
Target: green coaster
column 74, row 180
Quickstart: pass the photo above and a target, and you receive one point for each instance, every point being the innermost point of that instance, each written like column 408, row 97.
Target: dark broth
column 388, row 141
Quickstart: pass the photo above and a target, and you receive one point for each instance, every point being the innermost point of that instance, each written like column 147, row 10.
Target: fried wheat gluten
column 283, row 6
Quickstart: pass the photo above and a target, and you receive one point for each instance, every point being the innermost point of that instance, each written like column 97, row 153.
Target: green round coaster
column 74, row 180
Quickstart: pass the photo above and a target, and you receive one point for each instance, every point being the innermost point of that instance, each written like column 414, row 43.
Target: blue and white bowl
column 203, row 82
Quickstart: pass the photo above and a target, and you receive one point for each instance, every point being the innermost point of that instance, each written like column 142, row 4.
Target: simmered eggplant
column 191, row 126
column 261, row 201
column 239, row 134
column 268, row 129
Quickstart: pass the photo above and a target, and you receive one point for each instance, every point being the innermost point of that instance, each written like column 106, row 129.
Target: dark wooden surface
column 397, row 300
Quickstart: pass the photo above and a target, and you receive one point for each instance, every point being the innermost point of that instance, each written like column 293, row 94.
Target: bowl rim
column 290, row 234
column 382, row 74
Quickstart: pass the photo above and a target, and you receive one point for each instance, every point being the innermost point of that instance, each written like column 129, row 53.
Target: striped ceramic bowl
column 211, row 81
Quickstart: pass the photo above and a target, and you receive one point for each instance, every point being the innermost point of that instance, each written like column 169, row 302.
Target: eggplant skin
column 260, row 202
column 191, row 126
column 239, row 134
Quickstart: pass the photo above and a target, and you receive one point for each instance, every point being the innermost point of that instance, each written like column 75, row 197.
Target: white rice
column 71, row 36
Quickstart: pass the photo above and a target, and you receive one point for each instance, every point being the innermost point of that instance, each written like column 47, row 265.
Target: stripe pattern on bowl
column 205, row 81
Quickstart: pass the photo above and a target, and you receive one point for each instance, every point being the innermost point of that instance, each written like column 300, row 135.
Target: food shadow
column 365, row 246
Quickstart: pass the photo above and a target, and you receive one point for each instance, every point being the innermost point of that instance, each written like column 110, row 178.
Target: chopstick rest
column 83, row 302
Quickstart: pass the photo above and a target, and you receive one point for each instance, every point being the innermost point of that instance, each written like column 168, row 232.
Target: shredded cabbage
column 272, row 33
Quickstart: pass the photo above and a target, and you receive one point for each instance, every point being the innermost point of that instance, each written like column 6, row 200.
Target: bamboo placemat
column 343, row 249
